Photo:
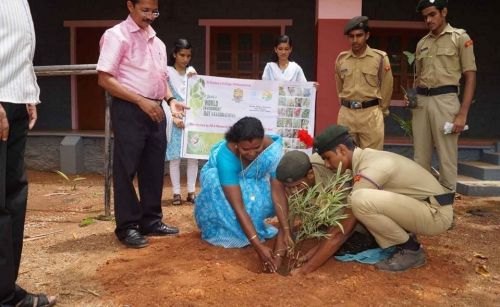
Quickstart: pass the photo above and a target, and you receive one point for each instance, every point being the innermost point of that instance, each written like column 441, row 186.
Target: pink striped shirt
column 137, row 59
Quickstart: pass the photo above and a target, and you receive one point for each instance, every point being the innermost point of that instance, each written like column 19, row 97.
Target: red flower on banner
column 305, row 138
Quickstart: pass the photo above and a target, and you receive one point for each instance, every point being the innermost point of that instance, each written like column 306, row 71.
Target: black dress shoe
column 134, row 239
column 161, row 229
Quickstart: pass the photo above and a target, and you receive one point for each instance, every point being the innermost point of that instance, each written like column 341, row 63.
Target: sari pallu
column 214, row 215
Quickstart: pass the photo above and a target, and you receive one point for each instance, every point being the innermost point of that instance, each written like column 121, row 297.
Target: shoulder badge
column 356, row 178
column 468, row 43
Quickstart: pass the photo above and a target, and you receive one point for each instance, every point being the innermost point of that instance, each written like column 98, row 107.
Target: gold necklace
column 252, row 196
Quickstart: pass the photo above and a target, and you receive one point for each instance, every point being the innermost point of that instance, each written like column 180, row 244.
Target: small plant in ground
column 410, row 93
column 73, row 182
column 87, row 221
column 316, row 209
column 404, row 124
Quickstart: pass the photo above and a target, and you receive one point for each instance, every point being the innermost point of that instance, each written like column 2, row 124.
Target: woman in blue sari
column 239, row 190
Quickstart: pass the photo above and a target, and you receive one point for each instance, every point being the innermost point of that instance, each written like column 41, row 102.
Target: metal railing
column 88, row 69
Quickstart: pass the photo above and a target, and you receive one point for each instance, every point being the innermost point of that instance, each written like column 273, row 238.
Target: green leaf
column 62, row 175
column 87, row 221
column 409, row 56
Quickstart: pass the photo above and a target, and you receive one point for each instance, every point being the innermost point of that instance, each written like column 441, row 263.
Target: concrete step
column 474, row 187
column 479, row 170
column 491, row 157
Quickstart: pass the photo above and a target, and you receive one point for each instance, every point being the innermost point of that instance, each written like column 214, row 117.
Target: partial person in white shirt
column 178, row 73
column 19, row 94
column 281, row 68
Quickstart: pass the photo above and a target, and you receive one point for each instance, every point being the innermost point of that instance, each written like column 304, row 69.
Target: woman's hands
column 266, row 257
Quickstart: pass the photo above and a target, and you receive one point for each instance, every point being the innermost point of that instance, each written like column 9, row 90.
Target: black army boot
column 409, row 255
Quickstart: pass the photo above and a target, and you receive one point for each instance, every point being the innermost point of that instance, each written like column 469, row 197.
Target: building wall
column 180, row 19
column 480, row 19
column 177, row 19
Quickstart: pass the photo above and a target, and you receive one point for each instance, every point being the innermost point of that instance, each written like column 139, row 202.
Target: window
column 241, row 52
column 394, row 42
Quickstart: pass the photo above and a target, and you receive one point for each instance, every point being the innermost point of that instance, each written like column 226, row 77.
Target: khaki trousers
column 366, row 126
column 427, row 123
column 389, row 216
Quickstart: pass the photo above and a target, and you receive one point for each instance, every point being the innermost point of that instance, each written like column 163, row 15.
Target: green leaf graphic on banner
column 197, row 95
column 200, row 143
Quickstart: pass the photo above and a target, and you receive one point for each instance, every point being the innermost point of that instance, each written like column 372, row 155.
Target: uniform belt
column 443, row 199
column 359, row 104
column 446, row 89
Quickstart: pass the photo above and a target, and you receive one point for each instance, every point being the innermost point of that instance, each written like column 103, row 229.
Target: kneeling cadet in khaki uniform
column 391, row 196
column 364, row 84
column 297, row 172
column 442, row 56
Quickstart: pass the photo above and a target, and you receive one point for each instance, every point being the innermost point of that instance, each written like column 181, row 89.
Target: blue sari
column 214, row 215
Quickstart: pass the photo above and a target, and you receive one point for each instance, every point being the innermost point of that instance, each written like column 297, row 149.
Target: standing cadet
column 364, row 84
column 442, row 56
column 391, row 196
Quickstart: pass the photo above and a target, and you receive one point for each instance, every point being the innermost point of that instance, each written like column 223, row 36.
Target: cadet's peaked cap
column 329, row 138
column 440, row 4
column 358, row 22
column 293, row 166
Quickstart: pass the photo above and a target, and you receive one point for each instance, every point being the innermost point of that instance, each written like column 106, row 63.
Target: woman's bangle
column 253, row 237
column 170, row 99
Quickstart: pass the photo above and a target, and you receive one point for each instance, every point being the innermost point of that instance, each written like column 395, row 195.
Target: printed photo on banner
column 216, row 103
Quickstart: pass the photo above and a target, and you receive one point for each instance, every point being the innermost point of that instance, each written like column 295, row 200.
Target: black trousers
column 13, row 198
column 139, row 149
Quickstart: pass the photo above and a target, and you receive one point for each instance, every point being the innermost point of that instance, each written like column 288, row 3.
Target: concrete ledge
column 479, row 170
column 43, row 150
column 491, row 157
column 478, row 188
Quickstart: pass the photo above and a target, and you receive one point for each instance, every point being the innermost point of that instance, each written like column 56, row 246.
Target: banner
column 217, row 103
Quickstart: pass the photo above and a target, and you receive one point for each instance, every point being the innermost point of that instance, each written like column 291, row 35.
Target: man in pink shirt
column 132, row 67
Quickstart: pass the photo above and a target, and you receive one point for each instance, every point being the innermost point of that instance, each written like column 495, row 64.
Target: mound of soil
column 87, row 266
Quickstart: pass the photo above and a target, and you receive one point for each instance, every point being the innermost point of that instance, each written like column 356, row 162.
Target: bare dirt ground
column 87, row 266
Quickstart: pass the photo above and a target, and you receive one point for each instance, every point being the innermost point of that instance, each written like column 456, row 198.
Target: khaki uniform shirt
column 388, row 171
column 322, row 174
column 364, row 78
column 441, row 60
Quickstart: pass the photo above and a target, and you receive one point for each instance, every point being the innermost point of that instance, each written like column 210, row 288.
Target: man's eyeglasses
column 154, row 14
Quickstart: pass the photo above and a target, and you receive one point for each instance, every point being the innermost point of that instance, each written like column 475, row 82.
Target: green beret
column 358, row 22
column 439, row 4
column 329, row 138
column 293, row 166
